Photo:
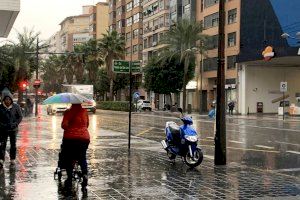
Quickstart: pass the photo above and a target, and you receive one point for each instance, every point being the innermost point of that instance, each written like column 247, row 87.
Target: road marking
column 287, row 170
column 295, row 152
column 145, row 131
column 235, row 148
column 287, row 143
column 265, row 147
column 211, row 138
column 234, row 141
column 209, row 157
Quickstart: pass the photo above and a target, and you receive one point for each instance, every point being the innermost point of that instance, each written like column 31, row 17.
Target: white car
column 57, row 108
column 143, row 105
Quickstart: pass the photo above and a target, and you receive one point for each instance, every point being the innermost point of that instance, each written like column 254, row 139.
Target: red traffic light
column 23, row 85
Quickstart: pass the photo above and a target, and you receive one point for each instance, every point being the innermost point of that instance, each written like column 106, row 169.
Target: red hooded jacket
column 75, row 124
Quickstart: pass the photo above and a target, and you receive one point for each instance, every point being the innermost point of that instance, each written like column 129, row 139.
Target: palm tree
column 184, row 38
column 24, row 63
column 93, row 59
column 112, row 46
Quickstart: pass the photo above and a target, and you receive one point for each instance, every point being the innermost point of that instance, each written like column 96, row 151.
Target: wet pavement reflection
column 145, row 172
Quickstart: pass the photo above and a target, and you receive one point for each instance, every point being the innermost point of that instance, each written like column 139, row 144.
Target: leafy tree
column 184, row 38
column 112, row 46
column 102, row 83
column 165, row 76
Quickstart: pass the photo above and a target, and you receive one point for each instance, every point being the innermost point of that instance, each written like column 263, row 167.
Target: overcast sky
column 45, row 15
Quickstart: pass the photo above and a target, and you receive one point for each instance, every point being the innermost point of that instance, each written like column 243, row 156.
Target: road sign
column 136, row 66
column 122, row 66
column 283, row 86
column 37, row 83
column 136, row 95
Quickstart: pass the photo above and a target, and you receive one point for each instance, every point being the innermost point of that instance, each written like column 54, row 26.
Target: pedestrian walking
column 231, row 107
column 75, row 142
column 10, row 118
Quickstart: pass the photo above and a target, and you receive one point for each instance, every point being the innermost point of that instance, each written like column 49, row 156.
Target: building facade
column 98, row 20
column 247, row 34
column 9, row 10
column 156, row 21
column 74, row 30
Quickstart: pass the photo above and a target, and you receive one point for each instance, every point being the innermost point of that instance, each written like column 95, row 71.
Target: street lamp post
column 220, row 136
column 37, row 75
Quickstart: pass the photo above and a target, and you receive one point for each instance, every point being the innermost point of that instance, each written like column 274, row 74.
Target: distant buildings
column 92, row 23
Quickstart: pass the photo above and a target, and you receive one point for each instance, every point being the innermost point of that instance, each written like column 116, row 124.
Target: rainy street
column 263, row 159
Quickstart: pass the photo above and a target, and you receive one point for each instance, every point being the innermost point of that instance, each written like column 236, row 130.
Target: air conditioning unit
column 154, row 43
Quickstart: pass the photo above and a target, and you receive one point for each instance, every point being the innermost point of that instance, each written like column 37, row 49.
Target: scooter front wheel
column 171, row 155
column 195, row 160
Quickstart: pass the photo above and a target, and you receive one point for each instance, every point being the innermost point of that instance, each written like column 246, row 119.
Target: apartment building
column 9, row 10
column 126, row 16
column 247, row 34
column 98, row 20
column 74, row 30
column 156, row 21
column 54, row 43
column 208, row 15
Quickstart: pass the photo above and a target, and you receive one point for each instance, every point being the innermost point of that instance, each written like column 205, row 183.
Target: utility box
column 260, row 107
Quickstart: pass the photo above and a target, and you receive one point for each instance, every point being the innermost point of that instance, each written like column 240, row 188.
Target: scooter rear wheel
column 196, row 160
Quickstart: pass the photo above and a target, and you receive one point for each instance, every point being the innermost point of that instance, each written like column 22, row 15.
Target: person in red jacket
column 76, row 140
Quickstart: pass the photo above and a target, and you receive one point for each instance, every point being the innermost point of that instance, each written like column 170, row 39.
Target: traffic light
column 23, row 85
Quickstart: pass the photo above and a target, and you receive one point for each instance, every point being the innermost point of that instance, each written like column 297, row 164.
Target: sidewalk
column 145, row 173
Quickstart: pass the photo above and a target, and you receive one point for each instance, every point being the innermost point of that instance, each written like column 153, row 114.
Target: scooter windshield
column 188, row 130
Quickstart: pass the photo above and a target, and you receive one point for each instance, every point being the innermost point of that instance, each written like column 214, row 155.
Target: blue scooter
column 182, row 141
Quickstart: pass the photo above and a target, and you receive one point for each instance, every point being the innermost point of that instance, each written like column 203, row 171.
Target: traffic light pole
column 220, row 136
column 37, row 76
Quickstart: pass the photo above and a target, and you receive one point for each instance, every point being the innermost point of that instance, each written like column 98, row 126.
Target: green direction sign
column 122, row 66
column 136, row 66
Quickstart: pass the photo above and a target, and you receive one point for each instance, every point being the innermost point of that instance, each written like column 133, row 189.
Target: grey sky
column 45, row 15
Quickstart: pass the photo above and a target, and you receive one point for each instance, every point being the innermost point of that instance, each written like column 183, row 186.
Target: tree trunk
column 111, row 86
column 186, row 66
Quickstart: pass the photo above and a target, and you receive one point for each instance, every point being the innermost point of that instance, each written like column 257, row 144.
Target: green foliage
column 165, row 76
column 121, row 82
column 102, row 83
column 112, row 47
column 113, row 105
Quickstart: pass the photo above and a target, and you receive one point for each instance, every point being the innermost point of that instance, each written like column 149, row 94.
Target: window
column 155, row 39
column 119, row 10
column 135, row 49
column 135, row 33
column 136, row 17
column 231, row 41
column 232, row 16
column 129, row 6
column 208, row 3
column 145, row 44
column 119, row 24
column 231, row 60
column 211, row 20
column 128, row 51
column 211, row 42
column 129, row 21
column 128, row 36
column 136, row 3
column 210, row 64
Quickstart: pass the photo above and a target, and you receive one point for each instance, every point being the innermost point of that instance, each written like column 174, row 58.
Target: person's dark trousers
column 75, row 151
column 12, row 135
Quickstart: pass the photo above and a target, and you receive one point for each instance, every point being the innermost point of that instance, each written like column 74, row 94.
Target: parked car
column 143, row 105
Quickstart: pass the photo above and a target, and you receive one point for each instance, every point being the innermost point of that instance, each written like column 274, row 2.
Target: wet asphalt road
column 266, row 143
column 263, row 161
